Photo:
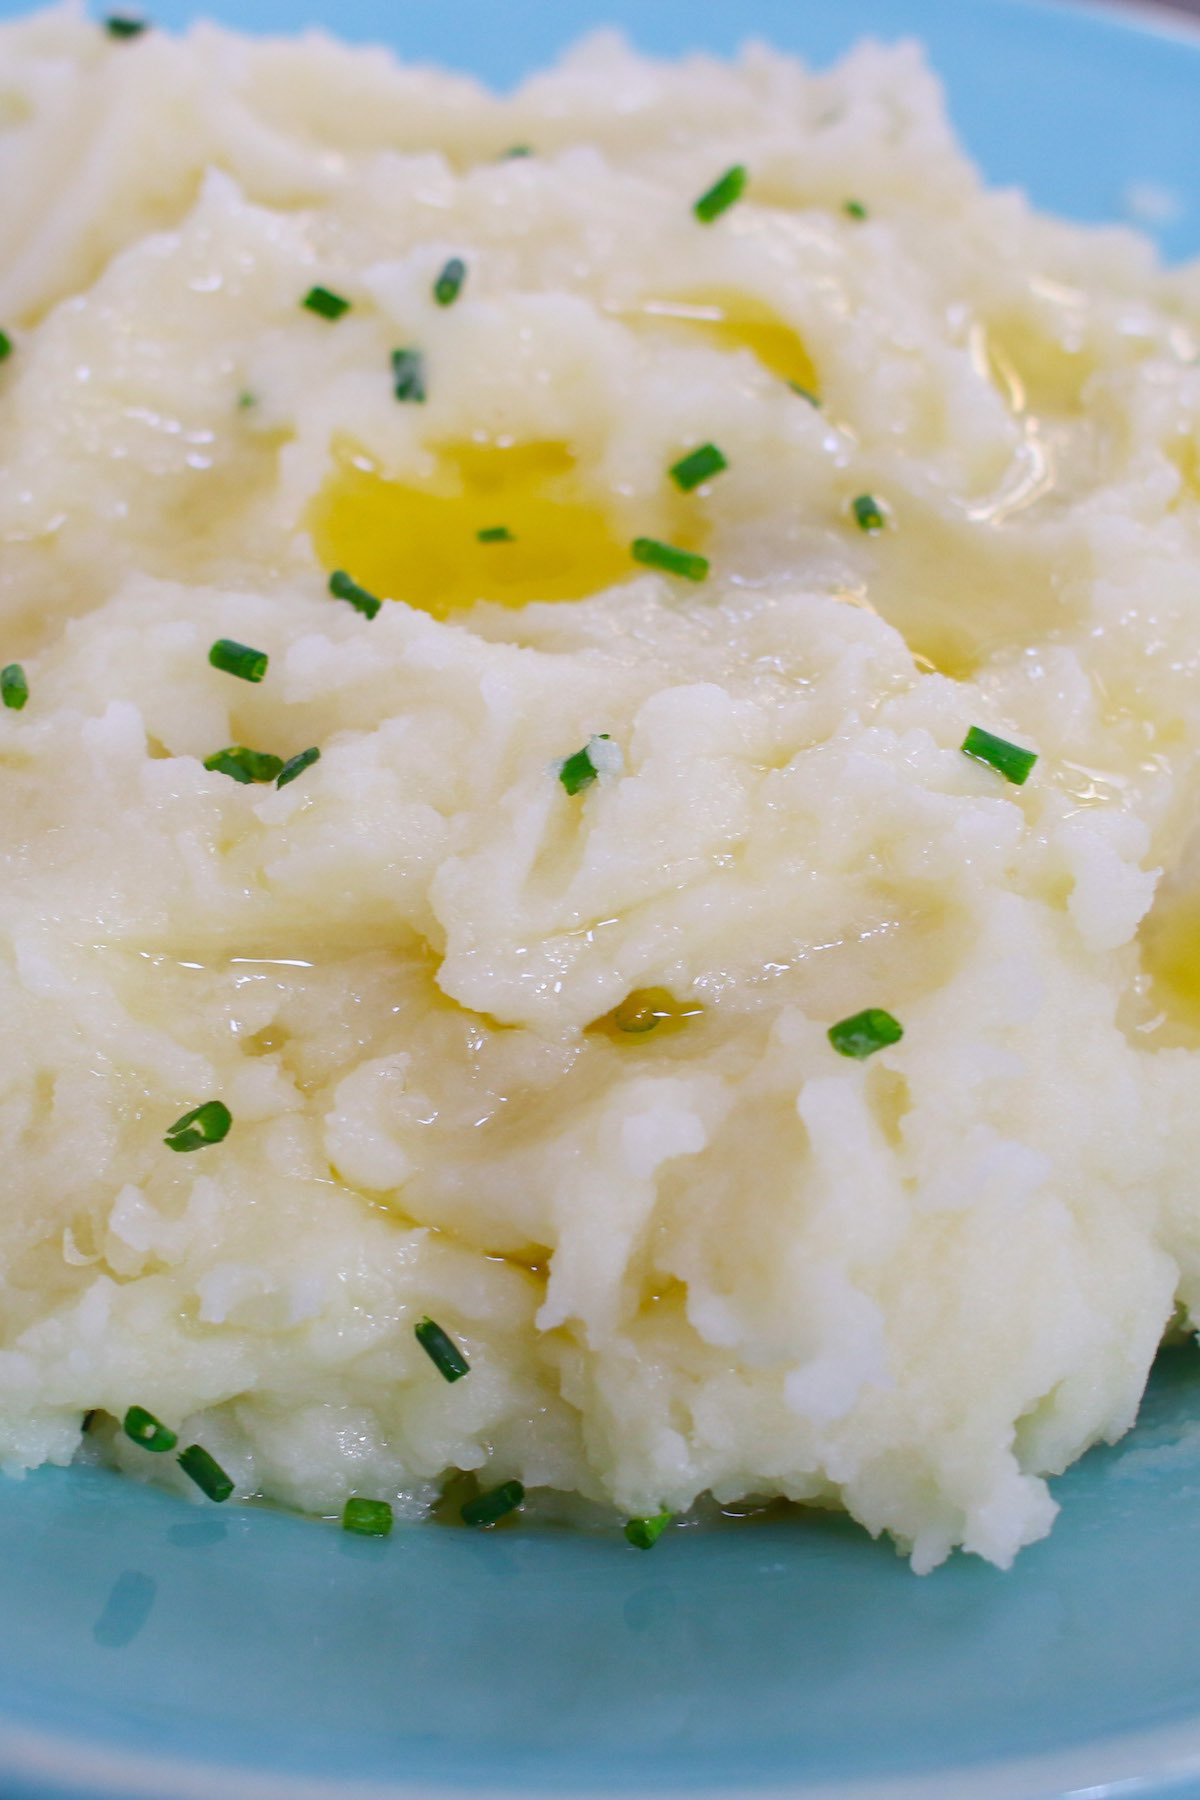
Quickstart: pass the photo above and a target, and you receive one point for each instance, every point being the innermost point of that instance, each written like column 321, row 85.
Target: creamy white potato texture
column 712, row 1255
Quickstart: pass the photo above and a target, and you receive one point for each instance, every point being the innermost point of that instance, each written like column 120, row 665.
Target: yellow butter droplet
column 419, row 541
column 648, row 1009
column 733, row 320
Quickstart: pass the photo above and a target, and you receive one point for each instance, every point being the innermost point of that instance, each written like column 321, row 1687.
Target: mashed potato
column 707, row 1254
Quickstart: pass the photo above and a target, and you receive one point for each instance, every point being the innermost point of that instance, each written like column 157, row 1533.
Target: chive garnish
column 441, row 1350
column 643, row 1534
column 495, row 534
column 798, row 387
column 1010, row 760
column 578, row 771
column 246, row 399
column 721, row 195
column 14, row 688
column 342, row 588
column 408, row 375
column 657, row 555
column 448, row 285
column 854, row 209
column 697, row 466
column 244, row 765
column 296, row 765
column 325, row 303
column 485, row 1509
column 6, row 346
column 207, row 1124
column 206, row 1472
column 866, row 1032
column 149, row 1432
column 124, row 25
column 515, row 150
column 238, row 659
column 367, row 1518
column 868, row 512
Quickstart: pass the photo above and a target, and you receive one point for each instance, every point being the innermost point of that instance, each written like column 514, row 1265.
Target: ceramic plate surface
column 153, row 1649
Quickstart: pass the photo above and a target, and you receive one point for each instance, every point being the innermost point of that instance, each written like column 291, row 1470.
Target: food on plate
column 598, row 776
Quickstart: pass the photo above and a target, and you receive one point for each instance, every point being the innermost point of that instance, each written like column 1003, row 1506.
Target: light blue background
column 775, row 1654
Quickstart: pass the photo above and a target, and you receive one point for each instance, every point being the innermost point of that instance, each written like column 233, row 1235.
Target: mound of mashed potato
column 540, row 1052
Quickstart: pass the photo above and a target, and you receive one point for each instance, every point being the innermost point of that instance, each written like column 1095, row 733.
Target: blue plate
column 153, row 1649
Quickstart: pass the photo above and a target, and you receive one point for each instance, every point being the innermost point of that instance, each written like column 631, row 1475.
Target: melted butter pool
column 732, row 320
column 546, row 536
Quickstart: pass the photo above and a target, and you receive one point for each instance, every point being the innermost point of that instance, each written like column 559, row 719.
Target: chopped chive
column 1010, row 760
column 643, row 1534
column 866, row 1032
column 149, row 1432
column 868, row 512
column 207, row 1124
column 721, row 195
column 342, row 588
column 408, row 375
column 485, row 1509
column 448, row 285
column 798, row 387
column 244, row 765
column 854, row 209
column 238, row 659
column 515, row 150
column 296, row 765
column 206, row 1472
column 246, row 399
column 14, row 688
column 325, row 303
column 580, row 770
column 367, row 1518
column 697, row 466
column 441, row 1350
column 495, row 534
column 6, row 346
column 125, row 25
column 657, row 555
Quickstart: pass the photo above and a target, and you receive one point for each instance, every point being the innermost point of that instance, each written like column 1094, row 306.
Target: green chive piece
column 149, row 1432
column 244, row 765
column 342, row 588
column 697, row 466
column 325, row 303
column 246, row 399
column 854, row 209
column 408, row 375
column 367, row 1518
column 805, row 393
column 207, row 1124
column 6, row 346
column 485, row 1509
column 124, row 25
column 206, row 1472
column 14, row 688
column 868, row 512
column 441, row 1350
column 296, row 765
column 515, row 150
column 448, row 285
column 579, row 771
column 657, row 555
column 721, row 195
column 643, row 1534
column 238, row 659
column 866, row 1032
column 495, row 534
column 1010, row 760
